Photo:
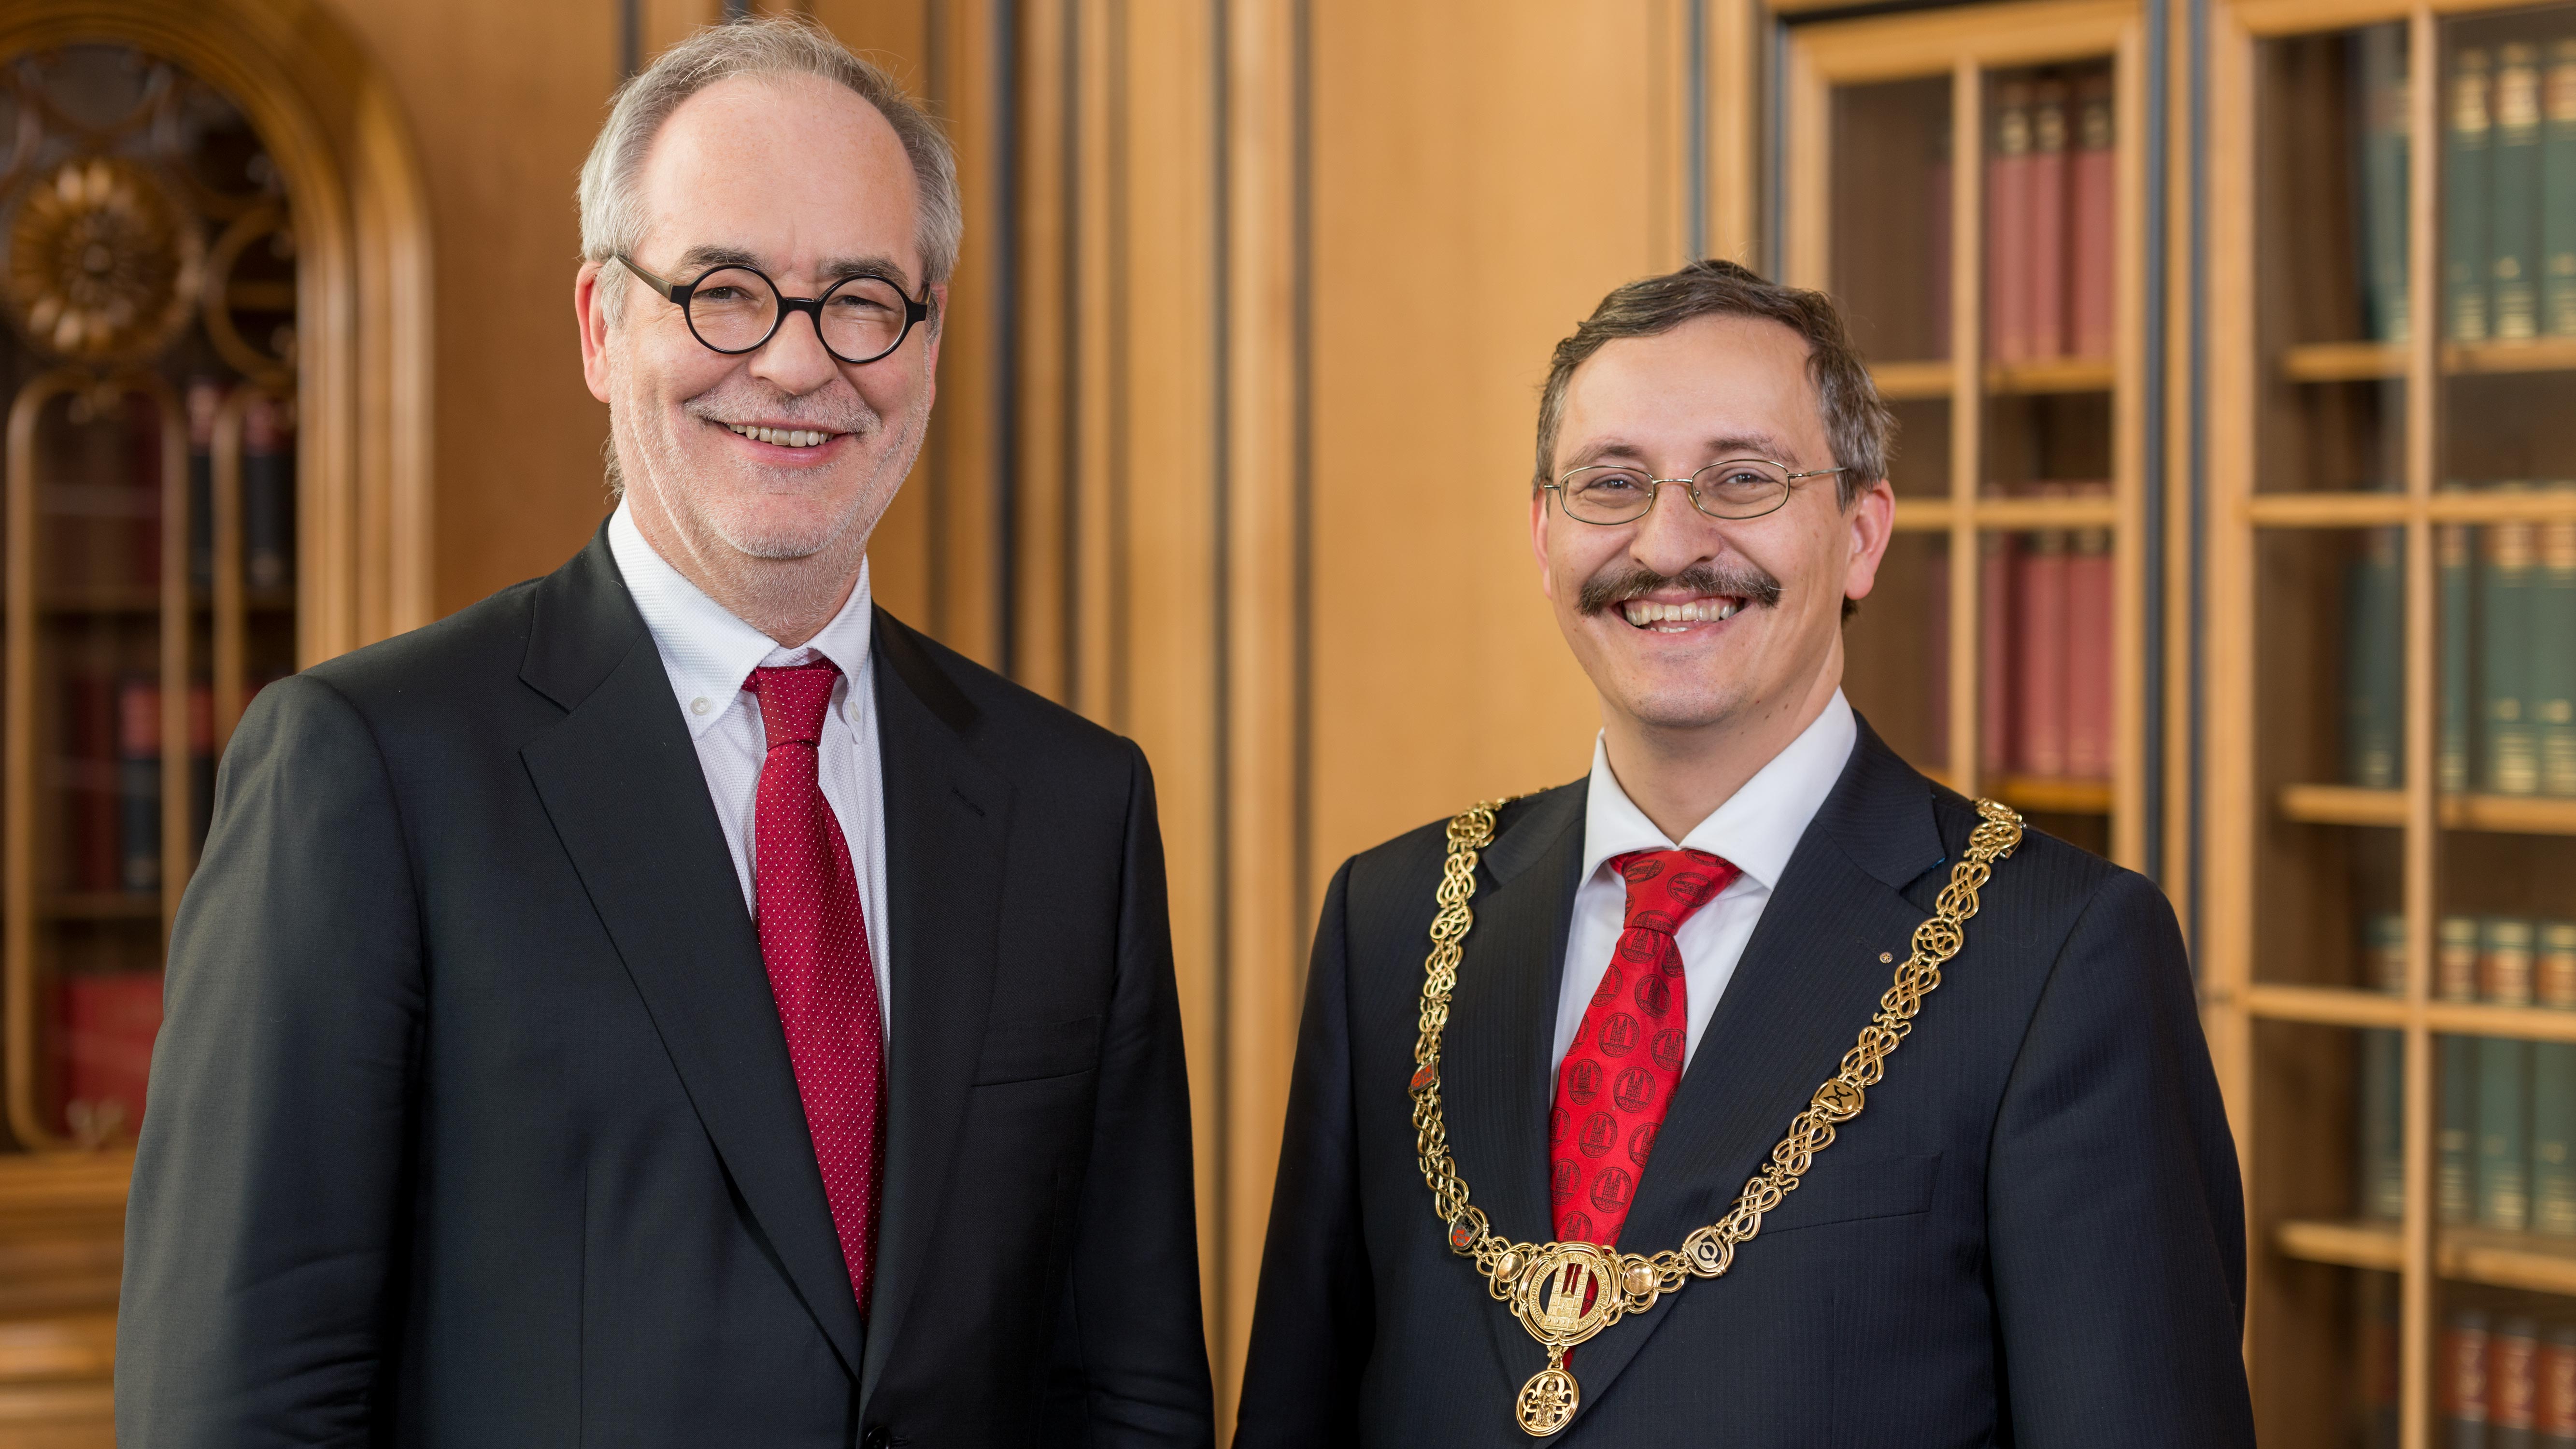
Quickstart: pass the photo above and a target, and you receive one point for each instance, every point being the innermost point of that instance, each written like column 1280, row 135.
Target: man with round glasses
column 1754, row 1089
column 672, row 1002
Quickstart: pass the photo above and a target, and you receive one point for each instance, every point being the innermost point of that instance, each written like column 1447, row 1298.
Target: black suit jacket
column 2032, row 1234
column 472, row 1121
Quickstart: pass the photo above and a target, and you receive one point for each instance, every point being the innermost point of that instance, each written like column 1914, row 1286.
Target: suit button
column 877, row 1437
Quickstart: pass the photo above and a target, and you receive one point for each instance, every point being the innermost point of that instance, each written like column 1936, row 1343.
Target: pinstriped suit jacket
column 2033, row 1235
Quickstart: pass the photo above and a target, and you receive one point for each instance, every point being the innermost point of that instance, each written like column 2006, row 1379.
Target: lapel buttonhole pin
column 1886, row 956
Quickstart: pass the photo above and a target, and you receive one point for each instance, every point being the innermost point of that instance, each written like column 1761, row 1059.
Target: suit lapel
column 946, row 824
column 620, row 779
column 1809, row 979
column 1502, row 1025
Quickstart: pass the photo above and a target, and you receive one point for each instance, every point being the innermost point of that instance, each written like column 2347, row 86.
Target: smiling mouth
column 1661, row 616
column 781, row 437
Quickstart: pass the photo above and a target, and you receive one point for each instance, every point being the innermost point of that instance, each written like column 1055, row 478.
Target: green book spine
column 2454, row 546
column 2464, row 203
column 2553, row 1090
column 2383, row 1124
column 2455, row 978
column 2513, row 187
column 2503, row 1171
column 2374, row 671
column 2511, row 747
column 2558, row 192
column 2383, row 230
column 2553, row 656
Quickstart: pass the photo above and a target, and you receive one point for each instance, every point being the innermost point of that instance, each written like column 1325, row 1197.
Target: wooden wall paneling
column 1171, row 540
column 1044, row 451
column 1967, row 418
column 501, row 131
column 1266, row 918
column 2129, row 458
column 897, row 35
column 1734, row 66
column 2420, row 1290
column 1101, row 376
column 1446, row 268
column 961, row 479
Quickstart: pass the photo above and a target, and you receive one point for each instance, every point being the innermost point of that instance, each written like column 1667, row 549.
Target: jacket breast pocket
column 1024, row 1051
column 1854, row 1189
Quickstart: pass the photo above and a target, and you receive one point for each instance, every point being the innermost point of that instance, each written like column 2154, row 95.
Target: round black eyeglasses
column 735, row 309
column 1737, row 489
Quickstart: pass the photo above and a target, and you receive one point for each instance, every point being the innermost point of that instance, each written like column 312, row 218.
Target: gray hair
column 1857, row 423
column 612, row 216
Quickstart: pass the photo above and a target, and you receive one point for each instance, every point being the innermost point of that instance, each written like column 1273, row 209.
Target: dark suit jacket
column 472, row 1121
column 2031, row 1235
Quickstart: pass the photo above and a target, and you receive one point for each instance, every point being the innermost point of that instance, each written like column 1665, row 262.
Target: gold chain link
column 1635, row 1280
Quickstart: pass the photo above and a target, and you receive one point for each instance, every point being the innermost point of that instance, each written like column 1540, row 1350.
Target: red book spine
column 2039, row 618
column 2007, row 232
column 2045, row 214
column 2464, row 1370
column 2089, row 672
column 108, row 1023
column 2554, row 1407
column 2092, row 318
column 1995, row 662
column 2513, row 1385
column 143, row 439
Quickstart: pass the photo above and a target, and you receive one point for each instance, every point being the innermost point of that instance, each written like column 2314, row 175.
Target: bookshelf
column 2389, row 807
column 148, row 559
column 1999, row 305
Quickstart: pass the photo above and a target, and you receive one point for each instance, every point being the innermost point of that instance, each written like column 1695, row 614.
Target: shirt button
column 700, row 705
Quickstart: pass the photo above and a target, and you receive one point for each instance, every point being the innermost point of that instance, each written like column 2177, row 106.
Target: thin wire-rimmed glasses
column 1738, row 488
column 735, row 309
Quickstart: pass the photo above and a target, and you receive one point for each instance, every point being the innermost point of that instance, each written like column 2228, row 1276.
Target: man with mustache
column 1664, row 1133
column 672, row 1002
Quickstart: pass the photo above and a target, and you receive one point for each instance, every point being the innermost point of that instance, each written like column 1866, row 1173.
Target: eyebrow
column 1724, row 448
column 838, row 269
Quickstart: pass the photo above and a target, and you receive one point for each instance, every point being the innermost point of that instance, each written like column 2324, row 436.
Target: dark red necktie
column 814, row 940
column 1626, row 1060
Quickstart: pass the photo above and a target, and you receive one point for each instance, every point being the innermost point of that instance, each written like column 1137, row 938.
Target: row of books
column 2051, row 250
column 112, row 777
column 2045, row 604
column 2508, row 1380
column 2507, row 658
column 105, row 1023
column 2509, row 191
column 102, row 496
column 2506, row 1134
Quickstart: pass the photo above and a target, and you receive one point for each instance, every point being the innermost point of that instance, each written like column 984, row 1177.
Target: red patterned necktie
column 814, row 940
column 1619, row 1075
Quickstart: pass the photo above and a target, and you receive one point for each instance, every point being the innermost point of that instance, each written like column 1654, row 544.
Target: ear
column 589, row 312
column 1538, row 542
column 1871, row 522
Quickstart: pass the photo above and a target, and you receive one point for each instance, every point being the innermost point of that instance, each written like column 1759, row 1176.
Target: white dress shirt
column 1756, row 830
column 708, row 653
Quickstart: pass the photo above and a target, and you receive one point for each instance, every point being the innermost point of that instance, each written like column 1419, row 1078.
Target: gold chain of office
column 1564, row 1293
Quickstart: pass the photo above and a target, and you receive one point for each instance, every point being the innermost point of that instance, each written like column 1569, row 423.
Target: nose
column 793, row 359
column 1674, row 534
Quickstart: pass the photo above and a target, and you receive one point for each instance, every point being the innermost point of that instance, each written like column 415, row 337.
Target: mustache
column 1613, row 587
column 835, row 409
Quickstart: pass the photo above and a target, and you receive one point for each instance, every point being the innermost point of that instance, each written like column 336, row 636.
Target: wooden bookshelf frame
column 361, row 393
column 1965, row 44
column 2273, row 1142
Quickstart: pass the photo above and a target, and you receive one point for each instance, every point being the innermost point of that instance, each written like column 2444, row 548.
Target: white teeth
column 783, row 437
column 1647, row 613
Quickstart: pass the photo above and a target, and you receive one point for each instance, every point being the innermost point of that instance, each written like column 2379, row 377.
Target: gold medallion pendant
column 1565, row 1293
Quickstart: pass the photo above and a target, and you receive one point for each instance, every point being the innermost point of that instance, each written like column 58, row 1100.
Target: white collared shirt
column 709, row 652
column 1756, row 830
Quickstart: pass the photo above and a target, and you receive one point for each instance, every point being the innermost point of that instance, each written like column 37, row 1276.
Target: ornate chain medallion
column 1564, row 1293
